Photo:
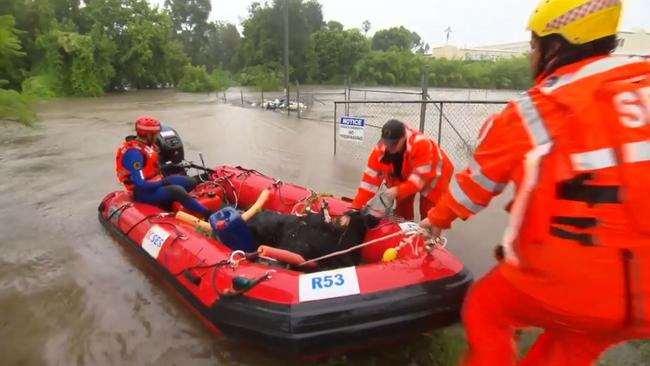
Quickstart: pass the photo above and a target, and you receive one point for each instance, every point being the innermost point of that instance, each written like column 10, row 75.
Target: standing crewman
column 577, row 147
column 409, row 163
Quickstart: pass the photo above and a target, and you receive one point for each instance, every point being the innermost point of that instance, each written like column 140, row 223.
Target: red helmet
column 146, row 126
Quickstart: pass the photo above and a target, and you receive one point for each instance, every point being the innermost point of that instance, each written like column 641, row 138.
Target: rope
column 312, row 199
column 121, row 210
column 409, row 232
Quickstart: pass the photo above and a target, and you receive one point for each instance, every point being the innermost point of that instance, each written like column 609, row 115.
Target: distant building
column 630, row 43
column 475, row 54
column 633, row 43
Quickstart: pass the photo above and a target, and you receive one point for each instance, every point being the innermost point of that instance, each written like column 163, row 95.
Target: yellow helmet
column 578, row 21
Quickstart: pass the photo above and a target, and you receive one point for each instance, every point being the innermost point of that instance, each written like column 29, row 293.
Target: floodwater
column 70, row 295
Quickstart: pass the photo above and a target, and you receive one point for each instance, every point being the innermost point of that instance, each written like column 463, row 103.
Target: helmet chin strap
column 550, row 57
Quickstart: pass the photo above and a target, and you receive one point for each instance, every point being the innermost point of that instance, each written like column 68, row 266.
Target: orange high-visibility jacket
column 425, row 169
column 577, row 147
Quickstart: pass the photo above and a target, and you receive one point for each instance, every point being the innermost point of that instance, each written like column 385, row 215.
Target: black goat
column 311, row 236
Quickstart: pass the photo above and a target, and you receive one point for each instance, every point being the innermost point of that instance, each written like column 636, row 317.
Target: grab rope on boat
column 431, row 243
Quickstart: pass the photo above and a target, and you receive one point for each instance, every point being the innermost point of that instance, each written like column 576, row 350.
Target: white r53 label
column 328, row 284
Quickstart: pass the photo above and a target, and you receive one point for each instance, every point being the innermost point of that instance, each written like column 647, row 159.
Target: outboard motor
column 170, row 151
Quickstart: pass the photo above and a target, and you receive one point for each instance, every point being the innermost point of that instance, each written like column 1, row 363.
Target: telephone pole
column 448, row 31
column 286, row 53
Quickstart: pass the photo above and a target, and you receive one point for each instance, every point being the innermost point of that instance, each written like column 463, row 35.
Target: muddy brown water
column 70, row 295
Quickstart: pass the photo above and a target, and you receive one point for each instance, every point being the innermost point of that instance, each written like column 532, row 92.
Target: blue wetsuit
column 163, row 192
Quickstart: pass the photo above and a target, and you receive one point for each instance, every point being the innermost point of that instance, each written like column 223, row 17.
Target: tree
column 365, row 26
column 79, row 64
column 398, row 37
column 390, row 68
column 264, row 35
column 190, row 19
column 223, row 43
column 145, row 54
column 10, row 52
column 419, row 45
column 337, row 52
column 334, row 25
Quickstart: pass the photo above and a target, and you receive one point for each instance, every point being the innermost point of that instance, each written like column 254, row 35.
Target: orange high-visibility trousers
column 495, row 309
column 405, row 207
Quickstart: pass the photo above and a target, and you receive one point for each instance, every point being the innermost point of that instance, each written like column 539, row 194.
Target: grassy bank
column 446, row 347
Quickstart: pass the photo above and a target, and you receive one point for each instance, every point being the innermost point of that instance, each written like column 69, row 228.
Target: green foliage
column 337, row 51
column 78, row 62
column 190, row 24
column 15, row 107
column 220, row 80
column 196, row 79
column 10, row 51
column 398, row 37
column 265, row 77
column 43, row 86
column 264, row 36
column 501, row 74
column 51, row 48
column 390, row 68
column 223, row 42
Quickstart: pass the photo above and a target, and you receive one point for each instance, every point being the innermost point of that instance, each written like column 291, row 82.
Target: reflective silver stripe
column 424, row 169
column 593, row 160
column 435, row 180
column 420, row 137
column 371, row 172
column 369, row 187
column 417, row 180
column 485, row 182
column 462, row 198
column 522, row 196
column 636, row 152
column 533, row 121
column 592, row 69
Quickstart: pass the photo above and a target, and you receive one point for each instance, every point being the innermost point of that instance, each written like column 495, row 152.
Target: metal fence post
column 262, row 91
column 287, row 95
column 298, row 98
column 440, row 124
column 347, row 98
column 241, row 92
column 425, row 94
column 335, row 110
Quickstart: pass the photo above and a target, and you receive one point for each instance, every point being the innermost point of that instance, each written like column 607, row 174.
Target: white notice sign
column 351, row 128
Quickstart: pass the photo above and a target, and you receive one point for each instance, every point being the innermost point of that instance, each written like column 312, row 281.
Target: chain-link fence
column 453, row 124
column 308, row 102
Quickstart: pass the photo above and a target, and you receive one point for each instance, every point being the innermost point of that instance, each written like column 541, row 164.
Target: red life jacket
column 150, row 170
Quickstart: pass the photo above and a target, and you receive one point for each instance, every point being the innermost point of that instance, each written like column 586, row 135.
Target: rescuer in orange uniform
column 409, row 163
column 577, row 147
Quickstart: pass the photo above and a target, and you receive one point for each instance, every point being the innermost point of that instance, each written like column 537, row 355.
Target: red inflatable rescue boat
column 257, row 297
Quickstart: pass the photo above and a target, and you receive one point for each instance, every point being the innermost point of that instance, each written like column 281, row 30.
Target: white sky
column 473, row 22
